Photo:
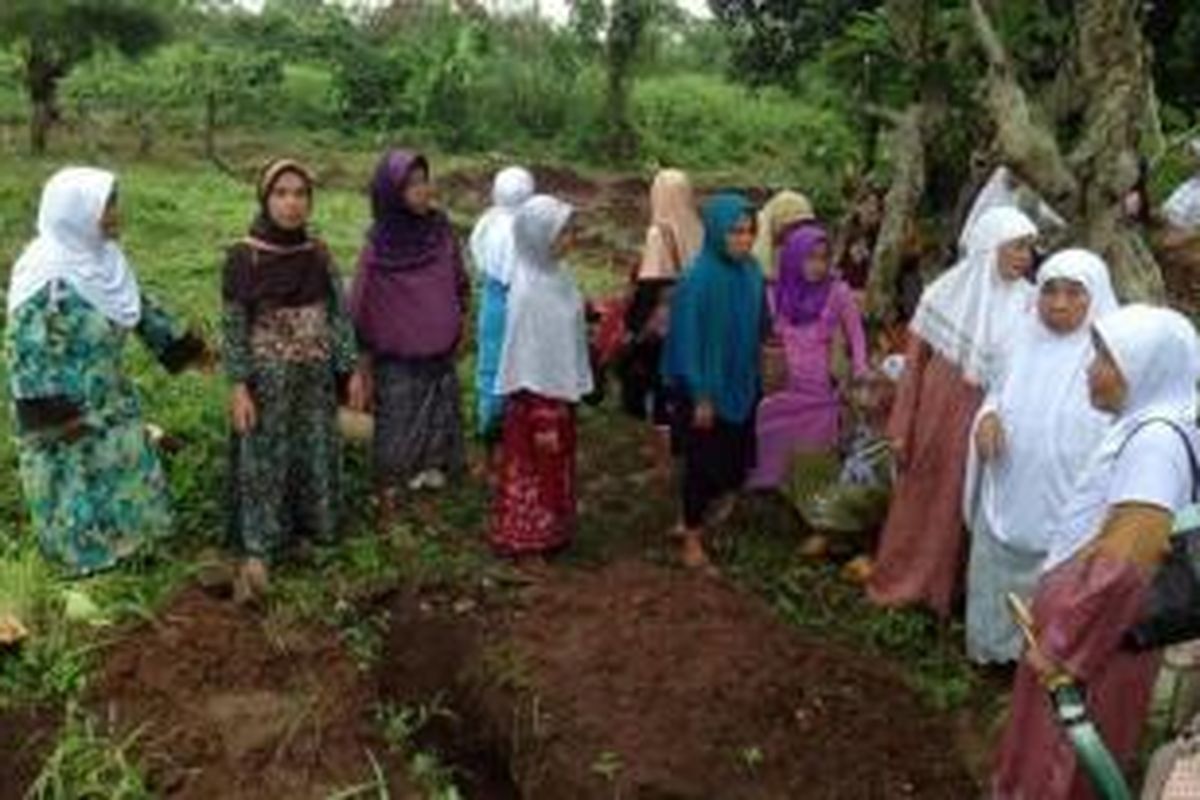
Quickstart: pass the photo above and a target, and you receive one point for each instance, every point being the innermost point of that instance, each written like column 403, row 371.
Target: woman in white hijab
column 1107, row 542
column 1034, row 433
column 962, row 332
column 94, row 487
column 544, row 373
column 1182, row 208
column 491, row 249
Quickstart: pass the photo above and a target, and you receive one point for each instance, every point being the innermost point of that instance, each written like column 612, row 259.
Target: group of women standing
column 294, row 348
column 1057, row 428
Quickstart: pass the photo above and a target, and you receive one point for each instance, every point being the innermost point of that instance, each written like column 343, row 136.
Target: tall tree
column 771, row 37
column 1082, row 154
column 627, row 24
column 55, row 35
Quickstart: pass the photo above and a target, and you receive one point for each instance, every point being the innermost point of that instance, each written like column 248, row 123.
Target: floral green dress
column 94, row 486
column 285, row 474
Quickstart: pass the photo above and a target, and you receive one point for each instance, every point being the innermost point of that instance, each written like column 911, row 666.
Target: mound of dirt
column 668, row 685
column 227, row 707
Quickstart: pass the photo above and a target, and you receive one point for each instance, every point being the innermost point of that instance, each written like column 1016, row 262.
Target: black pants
column 715, row 461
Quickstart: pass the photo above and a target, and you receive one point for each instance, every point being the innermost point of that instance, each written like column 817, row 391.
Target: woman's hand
column 242, row 410
column 1048, row 671
column 989, row 437
column 357, row 396
column 899, row 451
column 704, row 417
column 546, row 441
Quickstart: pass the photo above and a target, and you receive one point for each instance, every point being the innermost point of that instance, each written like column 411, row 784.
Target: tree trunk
column 42, row 74
column 210, row 126
column 907, row 153
column 1112, row 82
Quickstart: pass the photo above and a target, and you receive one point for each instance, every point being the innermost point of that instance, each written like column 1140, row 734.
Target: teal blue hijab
column 712, row 348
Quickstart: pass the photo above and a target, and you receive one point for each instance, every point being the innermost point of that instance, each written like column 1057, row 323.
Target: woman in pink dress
column 961, row 336
column 810, row 305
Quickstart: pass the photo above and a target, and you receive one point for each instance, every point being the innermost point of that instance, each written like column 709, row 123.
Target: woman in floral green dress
column 95, row 489
column 290, row 353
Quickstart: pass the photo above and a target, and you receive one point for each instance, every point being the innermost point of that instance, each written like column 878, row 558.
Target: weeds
column 88, row 763
column 401, row 727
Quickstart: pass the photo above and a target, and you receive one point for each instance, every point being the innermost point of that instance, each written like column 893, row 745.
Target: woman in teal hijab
column 711, row 363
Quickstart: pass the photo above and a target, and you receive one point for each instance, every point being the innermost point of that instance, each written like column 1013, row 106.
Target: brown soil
column 229, row 708
column 641, row 682
column 26, row 738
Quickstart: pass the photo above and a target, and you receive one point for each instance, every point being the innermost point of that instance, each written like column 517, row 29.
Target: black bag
column 1172, row 612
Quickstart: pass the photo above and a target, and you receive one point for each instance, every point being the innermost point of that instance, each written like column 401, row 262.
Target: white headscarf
column 968, row 314
column 1182, row 208
column 1049, row 423
column 545, row 340
column 1004, row 190
column 71, row 247
column 491, row 242
column 1158, row 354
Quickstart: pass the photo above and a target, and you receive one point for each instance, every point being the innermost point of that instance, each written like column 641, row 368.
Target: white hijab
column 71, row 247
column 1159, row 356
column 491, row 242
column 1182, row 208
column 545, row 340
column 1049, row 423
column 1003, row 189
column 969, row 313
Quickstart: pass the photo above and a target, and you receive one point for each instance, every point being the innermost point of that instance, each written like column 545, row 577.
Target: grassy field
column 179, row 213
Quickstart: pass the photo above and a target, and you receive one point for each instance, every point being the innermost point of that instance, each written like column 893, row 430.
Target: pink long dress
column 804, row 417
column 921, row 557
column 1081, row 610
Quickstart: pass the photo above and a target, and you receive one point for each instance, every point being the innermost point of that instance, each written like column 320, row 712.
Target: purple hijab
column 409, row 294
column 799, row 300
column 400, row 240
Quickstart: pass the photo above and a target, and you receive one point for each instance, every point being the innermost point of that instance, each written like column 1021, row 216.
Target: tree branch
column 1024, row 144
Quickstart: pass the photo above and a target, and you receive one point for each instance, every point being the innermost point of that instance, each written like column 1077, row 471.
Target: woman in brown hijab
column 289, row 351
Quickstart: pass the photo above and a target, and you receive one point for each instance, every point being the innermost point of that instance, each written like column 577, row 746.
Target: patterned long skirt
column 418, row 422
column 285, row 475
column 96, row 500
column 533, row 510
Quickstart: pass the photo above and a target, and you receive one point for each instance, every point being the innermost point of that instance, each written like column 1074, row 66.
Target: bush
column 704, row 122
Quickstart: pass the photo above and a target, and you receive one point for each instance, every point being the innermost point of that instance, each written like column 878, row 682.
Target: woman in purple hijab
column 409, row 301
column 809, row 305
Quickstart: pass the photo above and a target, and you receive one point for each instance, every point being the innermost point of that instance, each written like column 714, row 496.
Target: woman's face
column 1016, row 259
column 1063, row 305
column 740, row 239
column 418, row 192
column 110, row 218
column 816, row 268
column 1106, row 385
column 289, row 202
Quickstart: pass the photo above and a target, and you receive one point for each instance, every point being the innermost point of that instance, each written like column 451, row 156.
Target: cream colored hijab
column 781, row 212
column 676, row 233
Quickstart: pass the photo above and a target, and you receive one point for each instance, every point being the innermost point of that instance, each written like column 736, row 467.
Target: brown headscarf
column 276, row 267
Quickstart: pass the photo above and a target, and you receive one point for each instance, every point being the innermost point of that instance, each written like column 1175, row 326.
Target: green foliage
column 1174, row 32
column 88, row 763
column 771, row 38
column 706, row 123
column 68, row 31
